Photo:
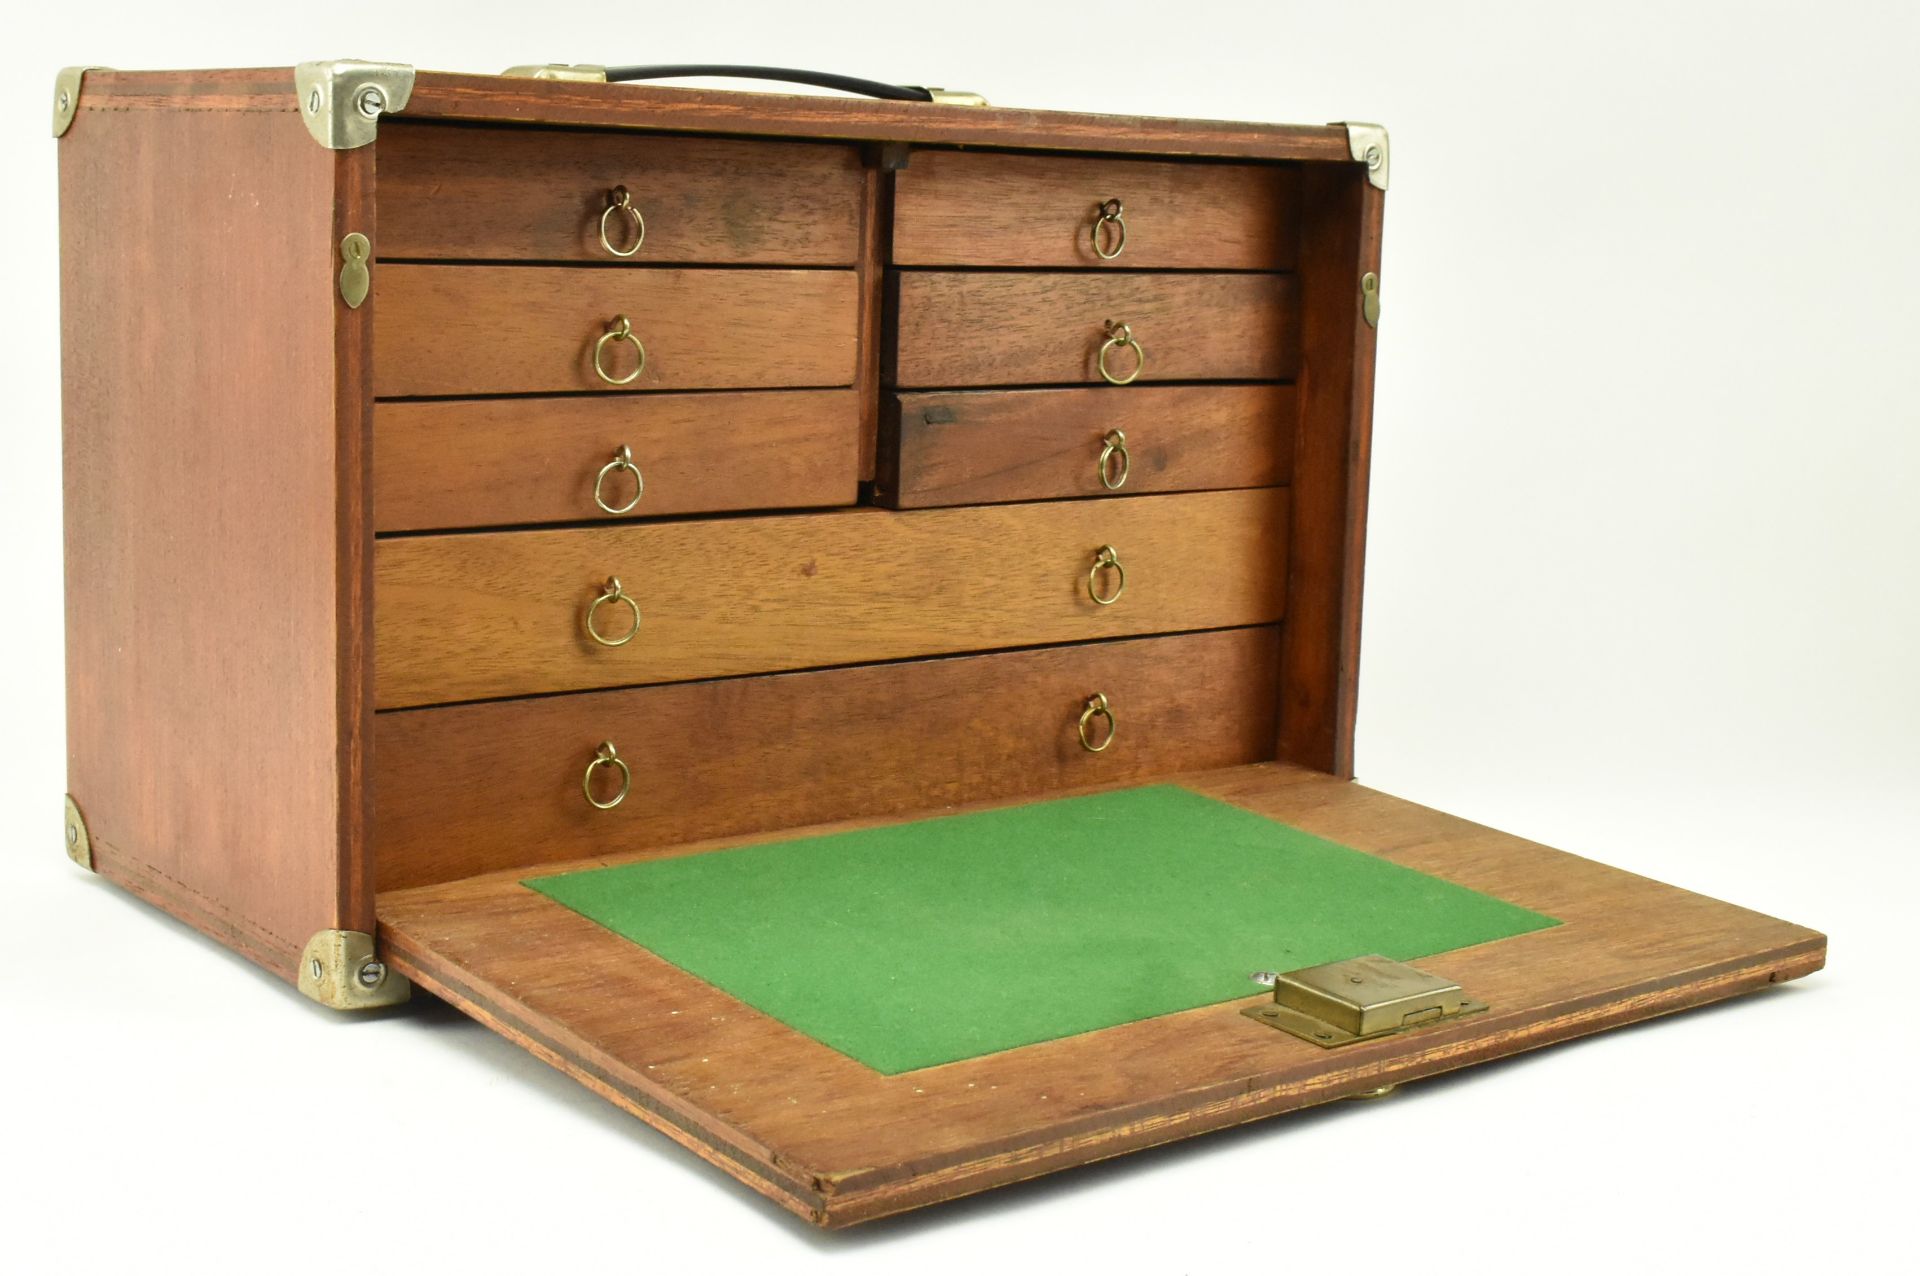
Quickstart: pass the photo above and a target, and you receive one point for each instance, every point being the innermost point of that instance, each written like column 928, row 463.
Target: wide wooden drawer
column 488, row 614
column 963, row 447
column 962, row 208
column 992, row 328
column 454, row 330
column 545, row 195
column 474, row 788
column 491, row 462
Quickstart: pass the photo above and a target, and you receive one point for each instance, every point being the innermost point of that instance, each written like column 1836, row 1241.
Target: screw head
column 65, row 100
column 373, row 974
column 314, row 966
column 1373, row 157
column 371, row 101
column 73, row 835
column 313, row 102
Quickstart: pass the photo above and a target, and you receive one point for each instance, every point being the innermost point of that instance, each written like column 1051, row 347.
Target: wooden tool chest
column 469, row 477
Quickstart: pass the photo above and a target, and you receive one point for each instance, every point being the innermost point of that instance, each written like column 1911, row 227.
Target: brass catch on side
column 1358, row 1000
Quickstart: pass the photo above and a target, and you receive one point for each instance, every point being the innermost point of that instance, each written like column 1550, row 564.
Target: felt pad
column 920, row 943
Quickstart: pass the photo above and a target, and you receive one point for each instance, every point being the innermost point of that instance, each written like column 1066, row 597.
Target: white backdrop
column 1641, row 583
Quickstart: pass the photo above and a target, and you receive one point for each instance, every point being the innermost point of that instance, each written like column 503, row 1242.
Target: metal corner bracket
column 956, row 97
column 339, row 970
column 341, row 102
column 66, row 95
column 584, row 72
column 1368, row 145
column 79, row 844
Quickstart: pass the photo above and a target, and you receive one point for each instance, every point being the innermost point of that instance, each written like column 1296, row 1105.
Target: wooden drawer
column 961, row 447
column 474, row 788
column 985, row 328
column 488, row 614
column 490, row 462
column 540, row 195
column 960, row 208
column 453, row 330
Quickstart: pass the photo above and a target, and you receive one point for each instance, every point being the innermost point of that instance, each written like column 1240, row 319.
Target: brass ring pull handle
column 607, row 756
column 1109, row 214
column 612, row 594
column 1116, row 449
column 620, row 330
column 1118, row 335
column 1106, row 556
column 1096, row 708
column 622, row 461
column 619, row 201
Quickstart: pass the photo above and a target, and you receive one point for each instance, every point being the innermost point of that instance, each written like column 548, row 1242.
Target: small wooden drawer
column 966, row 208
column 544, row 195
column 964, row 447
column 494, row 462
column 460, row 330
column 990, row 328
column 476, row 788
column 490, row 614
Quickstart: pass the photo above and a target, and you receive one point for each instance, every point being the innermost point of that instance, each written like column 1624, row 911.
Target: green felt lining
column 921, row 943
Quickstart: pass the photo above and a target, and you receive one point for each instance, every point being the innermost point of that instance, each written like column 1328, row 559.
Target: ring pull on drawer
column 621, row 202
column 1111, row 213
column 1106, row 559
column 621, row 329
column 609, row 757
column 1097, row 707
column 612, row 593
column 1114, row 477
column 622, row 462
column 1119, row 336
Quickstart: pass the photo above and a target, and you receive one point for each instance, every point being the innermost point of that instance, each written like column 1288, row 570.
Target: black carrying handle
column 818, row 79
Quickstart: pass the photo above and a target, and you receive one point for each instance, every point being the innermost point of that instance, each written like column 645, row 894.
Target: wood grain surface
column 969, row 208
column 214, row 414
column 477, row 788
column 519, row 194
column 464, row 330
column 487, row 614
column 963, row 329
column 481, row 462
column 1320, row 669
column 961, row 447
column 838, row 1143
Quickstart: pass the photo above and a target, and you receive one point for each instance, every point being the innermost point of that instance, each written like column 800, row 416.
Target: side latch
column 1358, row 1000
column 339, row 970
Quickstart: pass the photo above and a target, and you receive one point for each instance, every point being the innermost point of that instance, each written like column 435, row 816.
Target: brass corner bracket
column 339, row 970
column 584, row 72
column 1368, row 145
column 79, row 845
column 341, row 102
column 66, row 95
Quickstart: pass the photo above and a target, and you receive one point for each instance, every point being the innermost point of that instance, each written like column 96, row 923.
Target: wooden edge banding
column 277, row 954
column 254, row 89
column 793, row 1190
column 353, row 211
column 1185, row 1116
column 438, row 94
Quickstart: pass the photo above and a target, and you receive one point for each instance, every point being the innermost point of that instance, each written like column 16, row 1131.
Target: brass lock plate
column 1359, row 999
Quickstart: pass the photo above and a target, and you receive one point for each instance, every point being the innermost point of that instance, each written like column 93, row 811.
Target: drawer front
column 962, row 208
column 538, row 195
column 493, row 462
column 486, row 614
column 454, row 330
column 963, row 447
column 957, row 329
column 475, row 788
